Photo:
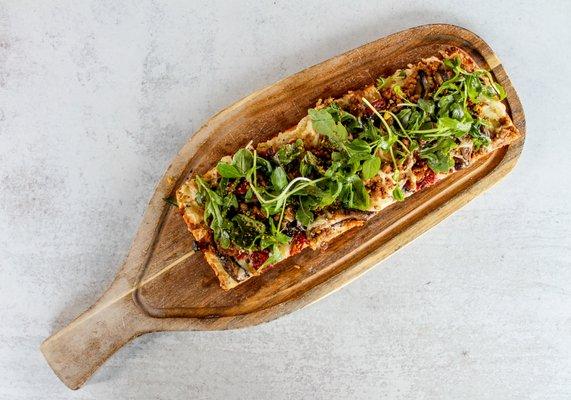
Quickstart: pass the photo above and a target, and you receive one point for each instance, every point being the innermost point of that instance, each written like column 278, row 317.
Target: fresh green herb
column 289, row 152
column 310, row 163
column 426, row 105
column 479, row 138
column 215, row 210
column 279, row 179
column 228, row 170
column 361, row 199
column 371, row 167
column 303, row 213
column 398, row 194
column 274, row 238
column 246, row 231
column 438, row 155
column 325, row 125
column 243, row 161
column 249, row 195
column 298, row 181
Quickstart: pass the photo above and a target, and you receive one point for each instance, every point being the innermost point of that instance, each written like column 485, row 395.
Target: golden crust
column 217, row 264
column 332, row 224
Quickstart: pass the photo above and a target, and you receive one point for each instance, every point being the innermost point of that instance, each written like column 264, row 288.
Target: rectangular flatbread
column 343, row 163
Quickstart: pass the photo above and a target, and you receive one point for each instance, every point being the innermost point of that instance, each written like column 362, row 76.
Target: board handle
column 78, row 350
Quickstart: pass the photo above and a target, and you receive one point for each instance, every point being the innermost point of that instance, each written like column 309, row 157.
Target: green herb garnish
column 296, row 184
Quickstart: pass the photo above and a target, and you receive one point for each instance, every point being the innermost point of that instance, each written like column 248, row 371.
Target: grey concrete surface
column 97, row 96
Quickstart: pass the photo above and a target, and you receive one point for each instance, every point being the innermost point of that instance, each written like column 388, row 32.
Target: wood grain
column 164, row 286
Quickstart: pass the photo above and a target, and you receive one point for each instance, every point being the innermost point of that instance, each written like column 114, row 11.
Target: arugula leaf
column 474, row 87
column 303, row 214
column 279, row 237
column 440, row 162
column 398, row 194
column 370, row 132
column 264, row 164
column 243, row 160
column 206, row 192
column 224, row 239
column 438, row 155
column 230, row 201
column 340, row 134
column 289, row 152
column 325, row 125
column 246, row 230
column 444, row 104
column 398, row 91
column 215, row 209
column 355, row 194
column 335, row 111
column 457, row 111
column 458, row 127
column 279, row 178
column 273, row 208
column 453, row 63
column 499, row 90
column 273, row 239
column 352, row 123
column 228, row 170
column 275, row 256
column 325, row 196
column 404, row 116
column 410, row 118
column 479, row 138
column 427, row 106
column 323, row 122
column 249, row 194
column 361, row 198
column 371, row 167
column 310, row 163
column 305, row 168
column 358, row 149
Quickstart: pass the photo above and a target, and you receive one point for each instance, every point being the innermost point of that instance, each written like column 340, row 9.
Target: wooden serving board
column 164, row 286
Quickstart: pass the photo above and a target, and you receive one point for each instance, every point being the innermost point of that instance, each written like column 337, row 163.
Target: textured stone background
column 97, row 96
